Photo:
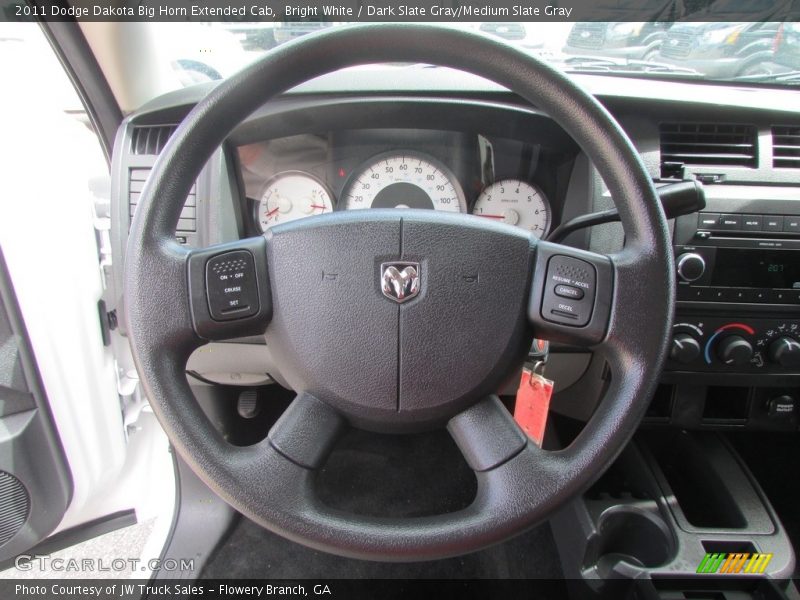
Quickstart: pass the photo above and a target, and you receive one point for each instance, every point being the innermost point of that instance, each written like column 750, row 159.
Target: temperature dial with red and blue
column 732, row 348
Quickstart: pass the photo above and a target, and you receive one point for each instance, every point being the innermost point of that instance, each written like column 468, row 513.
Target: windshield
column 667, row 47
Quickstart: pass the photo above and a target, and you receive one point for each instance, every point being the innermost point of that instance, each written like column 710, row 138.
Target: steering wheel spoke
column 571, row 294
column 229, row 292
column 486, row 435
column 307, row 431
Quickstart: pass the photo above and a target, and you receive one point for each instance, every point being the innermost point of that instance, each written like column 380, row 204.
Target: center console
column 677, row 516
column 735, row 354
column 679, row 512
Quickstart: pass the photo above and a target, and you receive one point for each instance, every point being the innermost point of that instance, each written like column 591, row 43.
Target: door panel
column 35, row 483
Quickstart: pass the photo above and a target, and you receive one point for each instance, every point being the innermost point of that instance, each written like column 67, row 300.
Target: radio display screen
column 747, row 268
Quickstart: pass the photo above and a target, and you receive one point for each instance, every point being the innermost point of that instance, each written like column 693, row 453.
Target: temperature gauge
column 292, row 195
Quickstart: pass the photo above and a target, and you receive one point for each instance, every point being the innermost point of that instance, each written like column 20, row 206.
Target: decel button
column 231, row 286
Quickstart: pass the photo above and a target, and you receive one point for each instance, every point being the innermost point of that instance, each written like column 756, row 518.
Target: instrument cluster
column 307, row 175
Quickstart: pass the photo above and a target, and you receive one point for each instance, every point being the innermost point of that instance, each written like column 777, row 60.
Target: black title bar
column 454, row 11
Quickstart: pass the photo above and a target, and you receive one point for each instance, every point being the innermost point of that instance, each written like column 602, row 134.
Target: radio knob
column 691, row 266
column 785, row 351
column 685, row 348
column 734, row 350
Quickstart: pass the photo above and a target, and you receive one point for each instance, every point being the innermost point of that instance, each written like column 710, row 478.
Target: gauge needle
column 491, row 216
column 317, row 206
column 272, row 212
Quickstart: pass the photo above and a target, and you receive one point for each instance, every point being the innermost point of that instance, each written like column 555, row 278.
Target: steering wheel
column 398, row 320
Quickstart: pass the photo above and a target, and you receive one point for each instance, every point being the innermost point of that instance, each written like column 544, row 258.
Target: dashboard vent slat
column 786, row 146
column 709, row 144
column 150, row 140
column 188, row 220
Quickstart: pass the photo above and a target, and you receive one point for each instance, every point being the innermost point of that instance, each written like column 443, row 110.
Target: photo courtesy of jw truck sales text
column 362, row 299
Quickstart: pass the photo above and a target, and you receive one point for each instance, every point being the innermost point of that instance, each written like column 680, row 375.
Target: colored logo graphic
column 734, row 562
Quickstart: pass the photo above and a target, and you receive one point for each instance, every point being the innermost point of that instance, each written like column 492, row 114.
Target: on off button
column 231, row 286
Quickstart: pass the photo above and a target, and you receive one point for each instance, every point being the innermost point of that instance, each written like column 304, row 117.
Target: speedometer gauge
column 404, row 180
column 516, row 203
column 292, row 195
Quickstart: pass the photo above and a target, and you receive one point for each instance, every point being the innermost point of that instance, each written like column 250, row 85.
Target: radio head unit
column 738, row 258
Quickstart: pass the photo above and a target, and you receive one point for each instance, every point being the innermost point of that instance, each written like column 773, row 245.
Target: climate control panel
column 719, row 345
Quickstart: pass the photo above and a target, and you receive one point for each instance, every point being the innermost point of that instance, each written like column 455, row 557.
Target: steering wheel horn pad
column 473, row 295
column 392, row 366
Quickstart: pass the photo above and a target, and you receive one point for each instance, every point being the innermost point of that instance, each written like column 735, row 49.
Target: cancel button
column 569, row 291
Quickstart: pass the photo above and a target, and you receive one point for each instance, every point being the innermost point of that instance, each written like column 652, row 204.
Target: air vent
column 188, row 220
column 786, row 146
column 708, row 144
column 150, row 140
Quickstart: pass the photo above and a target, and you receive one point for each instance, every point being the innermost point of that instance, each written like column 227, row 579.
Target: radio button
column 740, row 296
column 781, row 296
column 791, row 224
column 752, row 223
column 691, row 266
column 730, row 222
column 761, row 296
column 723, row 295
column 773, row 223
column 707, row 220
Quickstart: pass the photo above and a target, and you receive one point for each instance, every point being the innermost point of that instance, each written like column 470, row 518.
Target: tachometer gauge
column 516, row 203
column 292, row 195
column 404, row 180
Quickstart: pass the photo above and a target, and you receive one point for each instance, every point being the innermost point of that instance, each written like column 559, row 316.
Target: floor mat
column 250, row 552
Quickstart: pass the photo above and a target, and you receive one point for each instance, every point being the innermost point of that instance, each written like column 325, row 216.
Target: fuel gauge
column 292, row 195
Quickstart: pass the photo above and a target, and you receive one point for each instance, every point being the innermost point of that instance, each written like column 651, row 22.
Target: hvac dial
column 516, row 203
column 292, row 195
column 404, row 180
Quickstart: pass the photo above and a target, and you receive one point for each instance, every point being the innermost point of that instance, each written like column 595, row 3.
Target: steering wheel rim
column 519, row 485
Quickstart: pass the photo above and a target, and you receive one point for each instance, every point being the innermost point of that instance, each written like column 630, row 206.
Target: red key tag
column 533, row 404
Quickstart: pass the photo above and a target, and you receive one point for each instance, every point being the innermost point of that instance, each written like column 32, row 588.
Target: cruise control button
column 231, row 286
column 567, row 272
column 569, row 291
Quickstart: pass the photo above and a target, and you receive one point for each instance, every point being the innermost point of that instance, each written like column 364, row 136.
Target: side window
column 47, row 144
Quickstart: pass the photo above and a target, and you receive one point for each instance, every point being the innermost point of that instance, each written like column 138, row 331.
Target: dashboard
column 446, row 141
column 487, row 176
